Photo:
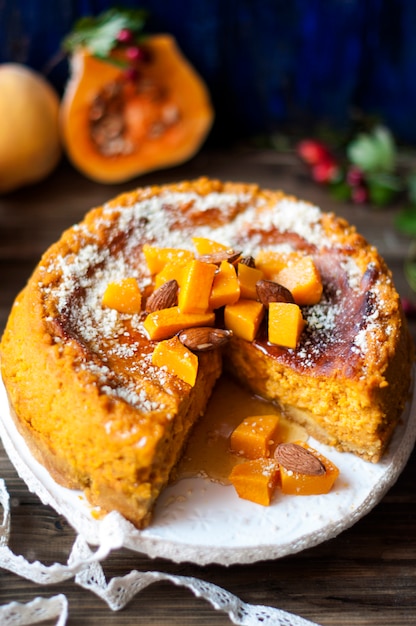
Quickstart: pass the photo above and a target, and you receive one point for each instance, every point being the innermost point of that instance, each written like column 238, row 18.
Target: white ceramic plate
column 200, row 521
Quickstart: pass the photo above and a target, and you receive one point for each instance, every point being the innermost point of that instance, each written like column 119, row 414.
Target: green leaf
column 411, row 187
column 99, row 34
column 383, row 187
column 340, row 190
column 405, row 221
column 361, row 152
column 374, row 151
column 386, row 148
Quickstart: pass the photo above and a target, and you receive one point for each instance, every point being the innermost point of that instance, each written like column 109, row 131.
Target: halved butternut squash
column 116, row 127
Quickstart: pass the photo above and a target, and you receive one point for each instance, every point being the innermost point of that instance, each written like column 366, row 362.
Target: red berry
column 125, row 35
column 359, row 194
column 325, row 171
column 131, row 74
column 312, row 151
column 355, row 176
column 409, row 308
column 135, row 53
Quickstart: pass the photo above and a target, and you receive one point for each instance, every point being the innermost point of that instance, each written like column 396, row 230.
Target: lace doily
column 85, row 568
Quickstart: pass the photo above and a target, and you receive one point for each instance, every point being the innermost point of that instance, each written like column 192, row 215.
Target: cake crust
column 102, row 418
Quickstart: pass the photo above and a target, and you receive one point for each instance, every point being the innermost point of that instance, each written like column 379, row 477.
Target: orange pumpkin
column 115, row 128
column 30, row 146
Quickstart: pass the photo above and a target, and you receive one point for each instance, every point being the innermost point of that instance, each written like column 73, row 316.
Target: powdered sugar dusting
column 160, row 219
column 352, row 271
column 295, row 217
column 365, row 334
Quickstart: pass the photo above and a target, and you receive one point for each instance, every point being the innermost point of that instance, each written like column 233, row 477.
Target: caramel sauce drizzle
column 207, row 453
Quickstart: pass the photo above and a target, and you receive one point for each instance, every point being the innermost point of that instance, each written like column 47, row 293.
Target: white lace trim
column 85, row 568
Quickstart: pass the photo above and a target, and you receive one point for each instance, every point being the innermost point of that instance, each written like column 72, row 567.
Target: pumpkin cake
column 103, row 415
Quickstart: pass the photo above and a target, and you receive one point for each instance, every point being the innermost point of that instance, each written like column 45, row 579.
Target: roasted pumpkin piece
column 204, row 245
column 225, row 287
column 244, row 318
column 171, row 271
column 124, row 296
column 248, row 277
column 195, row 288
column 285, row 324
column 165, row 323
column 303, row 280
column 304, row 471
column 255, row 480
column 255, row 435
column 157, row 258
column 271, row 262
column 117, row 125
column 177, row 359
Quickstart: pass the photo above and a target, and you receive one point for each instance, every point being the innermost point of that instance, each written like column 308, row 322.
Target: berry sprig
column 115, row 29
column 370, row 173
column 409, row 307
column 323, row 166
column 367, row 173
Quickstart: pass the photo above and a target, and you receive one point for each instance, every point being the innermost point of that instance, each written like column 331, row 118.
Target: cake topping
column 248, row 260
column 124, row 296
column 163, row 297
column 267, row 462
column 217, row 257
column 204, row 338
column 295, row 458
column 280, row 241
column 177, row 359
column 270, row 291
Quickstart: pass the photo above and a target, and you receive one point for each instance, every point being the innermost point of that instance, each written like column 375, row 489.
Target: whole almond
column 218, row 257
column 296, row 458
column 163, row 297
column 248, row 260
column 269, row 291
column 203, row 338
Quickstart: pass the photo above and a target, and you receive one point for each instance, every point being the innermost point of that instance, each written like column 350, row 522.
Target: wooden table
column 365, row 576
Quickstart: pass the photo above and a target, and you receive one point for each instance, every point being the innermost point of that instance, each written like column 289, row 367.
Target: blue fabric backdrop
column 268, row 63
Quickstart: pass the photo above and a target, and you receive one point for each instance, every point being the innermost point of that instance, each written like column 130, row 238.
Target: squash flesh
column 179, row 141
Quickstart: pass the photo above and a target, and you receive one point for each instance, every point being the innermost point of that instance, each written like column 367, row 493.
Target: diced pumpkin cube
column 195, row 288
column 156, row 257
column 177, row 359
column 165, row 323
column 285, row 324
column 124, row 296
column 225, row 287
column 303, row 280
column 244, row 318
column 256, row 480
column 255, row 435
column 169, row 272
column 248, row 277
column 296, row 483
column 271, row 262
column 208, row 246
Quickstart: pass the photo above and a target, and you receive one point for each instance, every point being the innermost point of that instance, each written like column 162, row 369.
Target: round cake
column 89, row 366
